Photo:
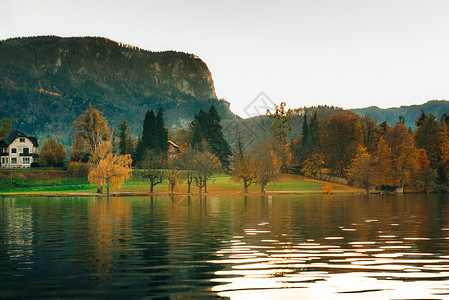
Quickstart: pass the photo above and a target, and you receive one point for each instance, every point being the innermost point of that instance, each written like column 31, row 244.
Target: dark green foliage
column 207, row 133
column 46, row 82
column 162, row 133
column 154, row 136
column 124, row 144
column 309, row 142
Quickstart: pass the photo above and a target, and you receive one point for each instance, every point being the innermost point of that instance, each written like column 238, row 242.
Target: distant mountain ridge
column 408, row 112
column 47, row 81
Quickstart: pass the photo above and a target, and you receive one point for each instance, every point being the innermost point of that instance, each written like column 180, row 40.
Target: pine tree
column 123, row 138
column 162, row 133
column 314, row 135
column 305, row 139
column 214, row 136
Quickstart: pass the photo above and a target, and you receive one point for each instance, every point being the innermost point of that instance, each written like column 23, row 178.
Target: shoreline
column 142, row 194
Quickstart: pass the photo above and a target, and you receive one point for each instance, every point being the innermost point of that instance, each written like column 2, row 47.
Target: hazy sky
column 337, row 52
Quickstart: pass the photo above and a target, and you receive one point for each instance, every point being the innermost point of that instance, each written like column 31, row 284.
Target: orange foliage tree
column 111, row 171
column 343, row 135
column 53, row 154
column 403, row 154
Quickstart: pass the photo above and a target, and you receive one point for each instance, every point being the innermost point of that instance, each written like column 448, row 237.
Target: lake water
column 254, row 247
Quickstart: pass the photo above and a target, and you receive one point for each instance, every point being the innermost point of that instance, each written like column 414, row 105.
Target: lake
column 238, row 247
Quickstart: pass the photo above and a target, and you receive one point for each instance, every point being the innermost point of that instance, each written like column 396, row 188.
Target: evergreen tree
column 305, row 139
column 207, row 133
column 214, row 136
column 162, row 133
column 197, row 142
column 314, row 135
column 148, row 140
column 123, row 138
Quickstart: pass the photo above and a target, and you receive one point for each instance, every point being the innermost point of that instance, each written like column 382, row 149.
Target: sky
column 346, row 53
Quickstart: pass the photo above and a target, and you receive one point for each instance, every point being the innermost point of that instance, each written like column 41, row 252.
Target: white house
column 18, row 150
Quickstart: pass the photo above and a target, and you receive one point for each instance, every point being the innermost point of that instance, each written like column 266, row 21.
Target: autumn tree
column 403, row 154
column 111, row 172
column 382, row 167
column 53, row 154
column 423, row 180
column 206, row 165
column 172, row 172
column 5, row 127
column 360, row 170
column 187, row 164
column 281, row 119
column 313, row 165
column 267, row 166
column 371, row 133
column 152, row 165
column 341, row 139
column 91, row 128
column 243, row 168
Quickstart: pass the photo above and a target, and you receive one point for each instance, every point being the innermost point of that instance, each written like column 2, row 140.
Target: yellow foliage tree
column 111, row 171
column 313, row 165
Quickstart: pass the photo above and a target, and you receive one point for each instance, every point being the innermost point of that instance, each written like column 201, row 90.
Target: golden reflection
column 109, row 233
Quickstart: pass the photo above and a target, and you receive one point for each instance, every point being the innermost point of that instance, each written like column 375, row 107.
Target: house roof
column 13, row 135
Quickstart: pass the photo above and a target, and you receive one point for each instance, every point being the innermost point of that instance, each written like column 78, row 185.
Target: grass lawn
column 38, row 181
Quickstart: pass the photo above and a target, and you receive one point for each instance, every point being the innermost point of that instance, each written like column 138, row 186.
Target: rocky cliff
column 46, row 82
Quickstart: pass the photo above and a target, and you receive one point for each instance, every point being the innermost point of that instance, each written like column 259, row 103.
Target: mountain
column 409, row 113
column 46, row 82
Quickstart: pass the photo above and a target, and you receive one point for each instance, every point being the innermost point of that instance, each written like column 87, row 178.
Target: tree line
column 375, row 155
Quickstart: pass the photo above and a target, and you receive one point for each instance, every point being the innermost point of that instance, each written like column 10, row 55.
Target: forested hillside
column 46, row 82
column 409, row 113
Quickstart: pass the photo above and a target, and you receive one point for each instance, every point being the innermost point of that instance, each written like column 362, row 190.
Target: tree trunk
column 188, row 186
column 99, row 189
column 151, row 187
column 172, row 186
column 205, row 187
column 246, row 186
column 262, row 189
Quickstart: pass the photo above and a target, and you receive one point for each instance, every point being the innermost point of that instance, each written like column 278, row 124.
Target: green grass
column 137, row 183
column 45, row 185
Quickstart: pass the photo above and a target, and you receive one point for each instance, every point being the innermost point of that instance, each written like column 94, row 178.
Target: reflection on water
column 257, row 247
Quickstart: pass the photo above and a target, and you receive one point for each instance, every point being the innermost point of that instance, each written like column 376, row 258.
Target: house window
column 13, row 160
column 13, row 150
column 22, row 140
column 26, row 160
column 26, row 151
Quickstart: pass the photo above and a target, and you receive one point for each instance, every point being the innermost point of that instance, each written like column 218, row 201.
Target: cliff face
column 45, row 82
